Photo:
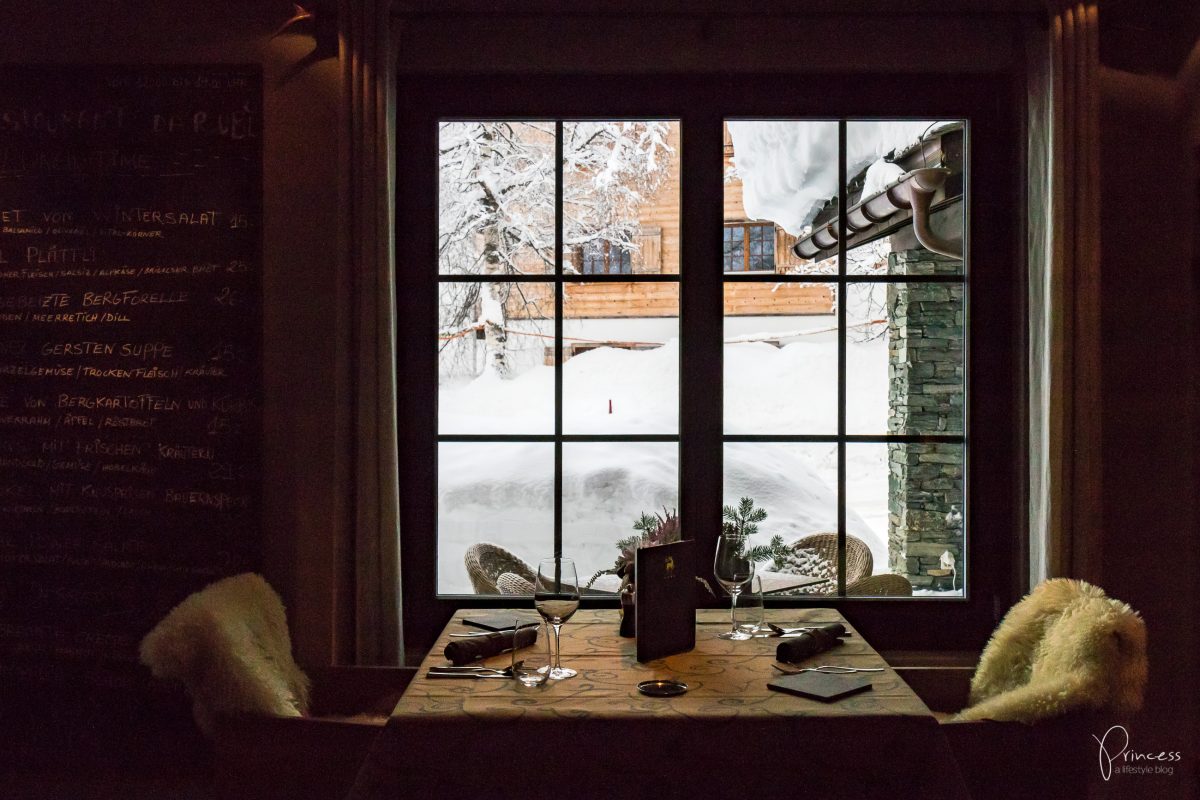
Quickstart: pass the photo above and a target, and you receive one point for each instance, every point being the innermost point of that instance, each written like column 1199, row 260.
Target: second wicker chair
column 859, row 561
column 487, row 562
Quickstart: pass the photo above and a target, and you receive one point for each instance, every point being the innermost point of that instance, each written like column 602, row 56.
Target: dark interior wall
column 1149, row 188
column 299, row 244
column 1149, row 413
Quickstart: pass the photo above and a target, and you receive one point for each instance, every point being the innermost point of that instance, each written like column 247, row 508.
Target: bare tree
column 496, row 213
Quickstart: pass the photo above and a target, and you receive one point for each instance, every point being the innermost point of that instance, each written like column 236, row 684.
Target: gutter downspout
column 922, row 184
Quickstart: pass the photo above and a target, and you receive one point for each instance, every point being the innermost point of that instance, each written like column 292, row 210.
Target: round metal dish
column 662, row 688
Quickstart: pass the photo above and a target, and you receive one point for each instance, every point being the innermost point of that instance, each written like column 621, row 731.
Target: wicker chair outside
column 881, row 586
column 859, row 561
column 508, row 583
column 487, row 562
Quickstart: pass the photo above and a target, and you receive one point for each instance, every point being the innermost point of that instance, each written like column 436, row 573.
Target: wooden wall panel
column 631, row 299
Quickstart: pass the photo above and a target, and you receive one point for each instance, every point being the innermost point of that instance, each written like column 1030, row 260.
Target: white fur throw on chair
column 1066, row 646
column 229, row 645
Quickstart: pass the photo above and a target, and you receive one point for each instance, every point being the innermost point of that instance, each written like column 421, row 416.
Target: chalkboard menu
column 130, row 355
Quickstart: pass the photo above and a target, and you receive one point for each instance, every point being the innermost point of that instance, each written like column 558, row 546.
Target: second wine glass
column 733, row 569
column 556, row 598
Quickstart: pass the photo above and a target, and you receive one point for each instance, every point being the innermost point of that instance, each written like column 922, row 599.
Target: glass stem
column 733, row 593
column 557, row 645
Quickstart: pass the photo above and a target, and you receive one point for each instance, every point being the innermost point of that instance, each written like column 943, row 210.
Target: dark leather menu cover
column 665, row 606
column 820, row 686
column 501, row 620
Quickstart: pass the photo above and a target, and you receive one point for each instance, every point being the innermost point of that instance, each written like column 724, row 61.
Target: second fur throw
column 1067, row 646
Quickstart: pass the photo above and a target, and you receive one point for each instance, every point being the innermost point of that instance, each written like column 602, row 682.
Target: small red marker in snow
column 610, row 405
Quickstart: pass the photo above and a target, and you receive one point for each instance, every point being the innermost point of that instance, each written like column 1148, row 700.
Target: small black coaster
column 662, row 688
column 821, row 686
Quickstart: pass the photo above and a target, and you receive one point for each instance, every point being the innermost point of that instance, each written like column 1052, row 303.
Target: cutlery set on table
column 473, row 672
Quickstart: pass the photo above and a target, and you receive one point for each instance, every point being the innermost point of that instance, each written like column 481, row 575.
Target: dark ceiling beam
column 714, row 8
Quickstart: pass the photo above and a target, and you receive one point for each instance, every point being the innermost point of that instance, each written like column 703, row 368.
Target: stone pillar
column 925, row 396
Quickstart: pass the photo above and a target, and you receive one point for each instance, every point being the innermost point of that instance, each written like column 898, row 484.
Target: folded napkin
column 464, row 651
column 835, row 629
column 809, row 643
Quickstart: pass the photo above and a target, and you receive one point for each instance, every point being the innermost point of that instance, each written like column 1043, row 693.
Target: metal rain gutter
column 913, row 190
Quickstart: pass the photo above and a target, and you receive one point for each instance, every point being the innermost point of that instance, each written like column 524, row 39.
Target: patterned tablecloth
column 595, row 735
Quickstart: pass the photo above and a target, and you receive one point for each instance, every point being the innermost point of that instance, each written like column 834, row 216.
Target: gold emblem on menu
column 669, row 567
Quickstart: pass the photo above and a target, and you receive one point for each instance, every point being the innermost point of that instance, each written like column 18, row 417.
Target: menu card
column 665, row 607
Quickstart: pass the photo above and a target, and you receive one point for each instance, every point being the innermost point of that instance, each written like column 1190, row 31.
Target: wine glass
column 748, row 610
column 556, row 598
column 733, row 569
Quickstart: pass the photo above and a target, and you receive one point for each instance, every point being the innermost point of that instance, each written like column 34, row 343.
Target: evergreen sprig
column 743, row 520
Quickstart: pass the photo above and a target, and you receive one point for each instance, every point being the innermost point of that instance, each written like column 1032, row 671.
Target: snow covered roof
column 789, row 168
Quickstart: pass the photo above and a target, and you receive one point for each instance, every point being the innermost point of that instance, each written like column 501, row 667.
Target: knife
column 471, row 675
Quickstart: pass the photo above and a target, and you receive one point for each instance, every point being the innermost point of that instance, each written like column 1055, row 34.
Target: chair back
column 486, row 562
column 859, row 561
column 880, row 586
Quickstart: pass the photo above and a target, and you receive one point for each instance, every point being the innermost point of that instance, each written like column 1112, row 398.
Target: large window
column 828, row 378
column 845, row 372
column 558, row 377
column 843, row 377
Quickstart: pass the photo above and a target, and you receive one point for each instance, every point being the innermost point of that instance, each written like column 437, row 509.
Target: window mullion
column 701, row 330
column 841, row 360
column 558, row 336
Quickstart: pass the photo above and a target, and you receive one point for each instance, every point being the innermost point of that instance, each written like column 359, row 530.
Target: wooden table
column 595, row 735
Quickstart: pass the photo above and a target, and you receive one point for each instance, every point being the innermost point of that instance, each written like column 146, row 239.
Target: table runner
column 596, row 736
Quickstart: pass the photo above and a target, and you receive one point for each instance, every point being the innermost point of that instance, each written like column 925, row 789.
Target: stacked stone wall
column 925, row 396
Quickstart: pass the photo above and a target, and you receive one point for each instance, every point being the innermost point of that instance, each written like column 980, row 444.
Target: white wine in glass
column 556, row 598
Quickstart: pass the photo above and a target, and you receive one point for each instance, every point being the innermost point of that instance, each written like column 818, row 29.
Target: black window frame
column 995, row 359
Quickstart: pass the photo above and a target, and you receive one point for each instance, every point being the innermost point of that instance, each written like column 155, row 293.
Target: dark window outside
column 606, row 258
column 749, row 247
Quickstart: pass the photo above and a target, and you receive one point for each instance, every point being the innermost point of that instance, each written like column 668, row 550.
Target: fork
column 778, row 631
column 828, row 669
column 482, row 672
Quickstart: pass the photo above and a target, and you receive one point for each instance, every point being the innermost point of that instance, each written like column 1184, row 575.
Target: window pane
column 495, row 493
column 495, row 198
column 886, row 161
column 621, row 357
column 621, row 188
column 781, row 173
column 607, row 486
column 904, row 358
column 867, row 499
column 735, row 251
column 780, row 358
column 796, row 484
column 911, row 498
column 493, row 372
column 625, row 262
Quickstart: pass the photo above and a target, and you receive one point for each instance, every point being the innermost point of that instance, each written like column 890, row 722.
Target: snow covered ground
column 503, row 492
